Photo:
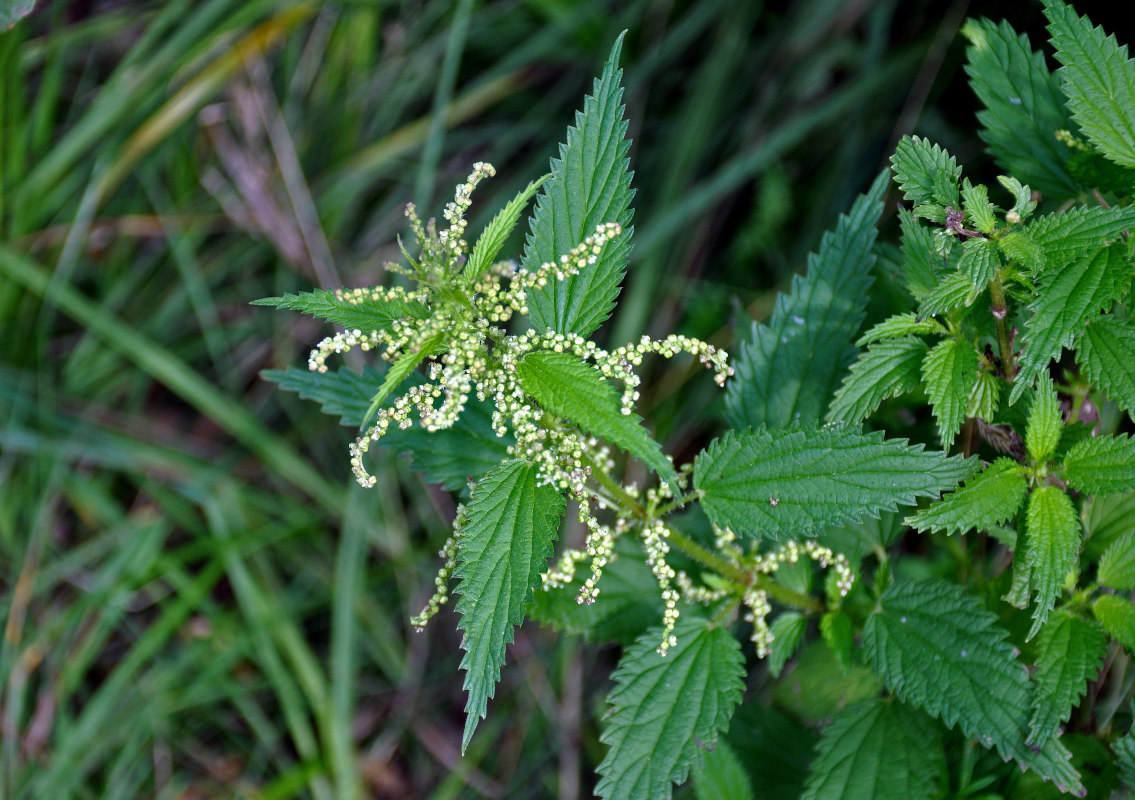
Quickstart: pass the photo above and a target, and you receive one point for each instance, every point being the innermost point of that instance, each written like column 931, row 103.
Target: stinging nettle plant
column 987, row 658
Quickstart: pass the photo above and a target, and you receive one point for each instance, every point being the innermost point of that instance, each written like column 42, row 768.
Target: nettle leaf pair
column 494, row 388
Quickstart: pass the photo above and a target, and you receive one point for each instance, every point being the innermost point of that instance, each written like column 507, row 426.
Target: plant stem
column 1000, row 314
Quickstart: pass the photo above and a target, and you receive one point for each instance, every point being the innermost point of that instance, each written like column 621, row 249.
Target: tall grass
column 197, row 602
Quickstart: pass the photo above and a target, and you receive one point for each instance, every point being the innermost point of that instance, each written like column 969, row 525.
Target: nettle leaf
column 628, row 601
column 351, row 311
column 1067, row 297
column 1019, row 248
column 467, row 450
column 402, row 369
column 496, row 233
column 922, row 265
column 568, row 387
column 949, row 373
column 839, row 635
column 990, row 498
column 1107, row 518
column 1052, row 543
column 787, row 630
column 953, row 291
column 1042, row 433
column 503, row 548
column 939, row 650
column 879, row 749
column 979, row 211
column 1024, row 106
column 788, row 482
column 979, row 262
column 790, row 366
column 721, row 776
column 1099, row 81
column 1070, row 651
column 925, row 172
column 1124, row 749
column 985, row 397
column 668, row 709
column 774, row 747
column 1104, row 465
column 1117, row 616
column 1023, row 203
column 1117, row 564
column 886, row 369
column 900, row 325
column 1104, row 353
column 1080, row 231
column 590, row 185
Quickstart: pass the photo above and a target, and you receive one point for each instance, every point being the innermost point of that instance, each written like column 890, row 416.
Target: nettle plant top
column 492, row 385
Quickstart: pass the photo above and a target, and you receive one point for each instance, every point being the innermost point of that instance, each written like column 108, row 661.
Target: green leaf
column 1024, row 106
column 1124, row 749
column 900, row 325
column 953, row 291
column 783, row 483
column 1105, row 465
column 503, row 548
column 774, row 747
column 979, row 262
column 985, row 397
column 876, row 750
column 788, row 368
column 922, row 265
column 886, row 369
column 1019, row 248
column 568, row 387
column 1104, row 353
column 450, row 457
column 401, row 369
column 628, row 601
column 1067, row 297
column 1023, row 203
column 1079, row 232
column 1117, row 616
column 1117, row 565
column 1099, row 81
column 938, row 649
column 990, row 498
column 949, row 373
column 838, row 633
column 590, row 185
column 496, row 233
column 787, row 630
column 668, row 709
column 1045, row 420
column 1052, row 543
column 722, row 777
column 1107, row 518
column 351, row 310
column 925, row 172
column 1070, row 651
column 975, row 201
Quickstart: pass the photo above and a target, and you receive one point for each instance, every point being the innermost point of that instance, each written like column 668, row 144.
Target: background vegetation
column 197, row 600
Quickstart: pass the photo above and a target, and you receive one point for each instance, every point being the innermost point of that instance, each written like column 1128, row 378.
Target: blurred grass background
column 197, row 601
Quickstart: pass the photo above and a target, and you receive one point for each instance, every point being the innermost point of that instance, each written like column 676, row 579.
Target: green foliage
column 937, row 649
column 1099, row 81
column 721, row 776
column 787, row 630
column 356, row 311
column 1104, row 465
column 949, row 373
column 885, row 369
column 788, row 368
column 925, row 172
column 898, row 326
column 666, row 709
column 1117, row 616
column 496, row 233
column 1052, row 543
column 1024, row 106
column 839, row 634
column 953, row 291
column 1042, row 433
column 990, row 498
column 503, row 547
column 568, row 387
column 787, row 482
column 590, row 185
column 1124, row 749
column 1104, row 353
column 979, row 211
column 979, row 262
column 1117, row 564
column 1079, row 231
column 876, row 750
column 1067, row 297
column 1070, row 651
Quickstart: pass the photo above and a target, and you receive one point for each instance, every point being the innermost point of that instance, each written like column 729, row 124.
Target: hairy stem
column 1000, row 316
